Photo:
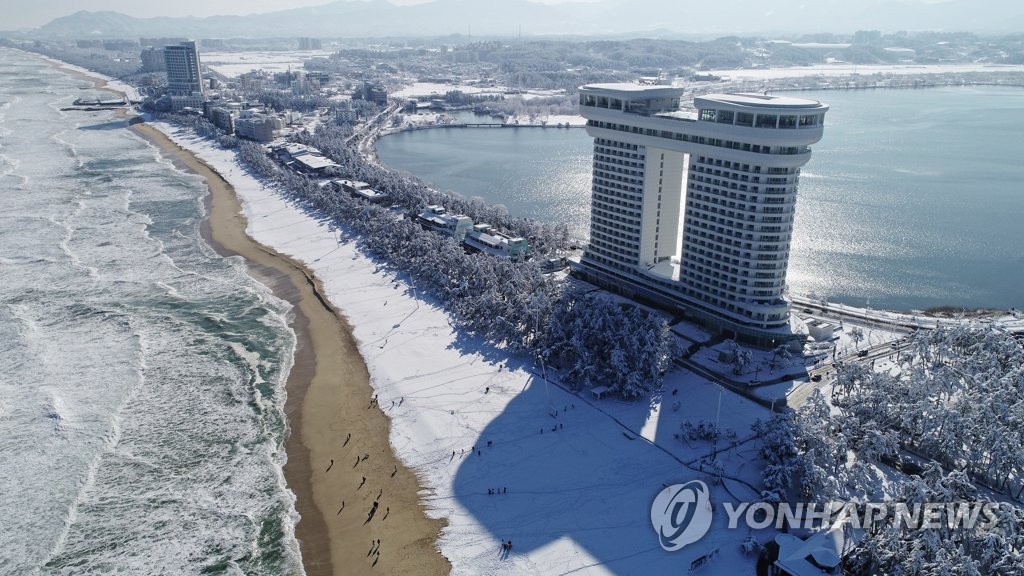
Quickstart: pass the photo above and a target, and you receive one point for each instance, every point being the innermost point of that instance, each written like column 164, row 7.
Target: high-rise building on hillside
column 183, row 69
column 694, row 210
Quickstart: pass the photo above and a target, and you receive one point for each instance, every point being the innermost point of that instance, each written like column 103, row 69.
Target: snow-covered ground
column 581, row 474
column 551, row 119
column 427, row 90
column 234, row 64
column 429, row 118
column 846, row 69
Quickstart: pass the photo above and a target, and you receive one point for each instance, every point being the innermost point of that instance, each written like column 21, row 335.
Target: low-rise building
column 820, row 554
column 361, row 190
column 484, row 238
column 313, row 163
column 223, row 118
column 302, row 158
column 822, row 331
column 256, row 126
column 375, row 92
column 194, row 101
column 436, row 218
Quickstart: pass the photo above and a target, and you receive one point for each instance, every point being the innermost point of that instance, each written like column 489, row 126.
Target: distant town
column 351, row 81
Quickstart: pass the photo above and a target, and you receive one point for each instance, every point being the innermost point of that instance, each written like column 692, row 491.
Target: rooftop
column 756, row 101
column 314, row 161
column 631, row 91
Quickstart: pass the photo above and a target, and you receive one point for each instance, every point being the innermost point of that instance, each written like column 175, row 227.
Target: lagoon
column 912, row 199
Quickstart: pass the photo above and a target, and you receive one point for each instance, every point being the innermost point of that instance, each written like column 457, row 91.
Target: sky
column 20, row 14
column 35, row 14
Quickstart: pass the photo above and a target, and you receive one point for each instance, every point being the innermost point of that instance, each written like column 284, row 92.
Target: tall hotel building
column 695, row 210
column 184, row 77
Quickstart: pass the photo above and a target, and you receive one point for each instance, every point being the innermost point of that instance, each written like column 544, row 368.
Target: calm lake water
column 913, row 198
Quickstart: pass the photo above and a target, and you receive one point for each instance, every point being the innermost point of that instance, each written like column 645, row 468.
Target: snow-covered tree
column 857, row 335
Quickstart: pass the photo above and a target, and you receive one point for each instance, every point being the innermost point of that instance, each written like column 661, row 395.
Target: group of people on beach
column 375, row 507
column 374, row 550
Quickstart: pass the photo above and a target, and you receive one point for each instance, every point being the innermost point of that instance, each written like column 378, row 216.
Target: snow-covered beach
column 503, row 454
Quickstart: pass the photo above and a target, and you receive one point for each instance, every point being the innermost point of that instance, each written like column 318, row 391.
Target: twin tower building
column 694, row 211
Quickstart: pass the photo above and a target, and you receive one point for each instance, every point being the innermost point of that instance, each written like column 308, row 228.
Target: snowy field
column 580, row 473
column 845, row 69
column 427, row 90
column 421, row 119
column 234, row 64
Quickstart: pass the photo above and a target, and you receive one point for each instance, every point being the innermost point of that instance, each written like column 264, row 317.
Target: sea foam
column 142, row 425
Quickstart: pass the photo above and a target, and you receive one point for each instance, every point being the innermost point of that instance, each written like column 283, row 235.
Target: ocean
column 142, row 391
column 911, row 200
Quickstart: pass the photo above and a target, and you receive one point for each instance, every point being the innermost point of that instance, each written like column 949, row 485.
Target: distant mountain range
column 379, row 18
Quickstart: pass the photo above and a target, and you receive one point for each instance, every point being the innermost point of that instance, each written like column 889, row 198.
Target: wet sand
column 329, row 398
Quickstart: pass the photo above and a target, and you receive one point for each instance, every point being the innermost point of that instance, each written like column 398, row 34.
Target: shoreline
column 325, row 386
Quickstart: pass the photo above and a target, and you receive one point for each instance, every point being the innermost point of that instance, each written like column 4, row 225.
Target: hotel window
column 744, row 119
column 787, row 121
column 810, row 120
column 725, row 117
column 767, row 120
column 707, row 115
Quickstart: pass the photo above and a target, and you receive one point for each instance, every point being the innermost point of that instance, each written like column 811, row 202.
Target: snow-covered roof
column 756, row 101
column 632, row 91
column 352, row 184
column 314, row 161
column 820, row 554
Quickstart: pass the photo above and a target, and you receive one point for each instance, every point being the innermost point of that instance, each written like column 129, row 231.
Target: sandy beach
column 350, row 488
column 339, row 460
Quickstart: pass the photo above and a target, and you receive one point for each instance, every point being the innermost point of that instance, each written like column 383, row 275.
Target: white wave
column 8, row 165
column 169, row 451
column 55, row 410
